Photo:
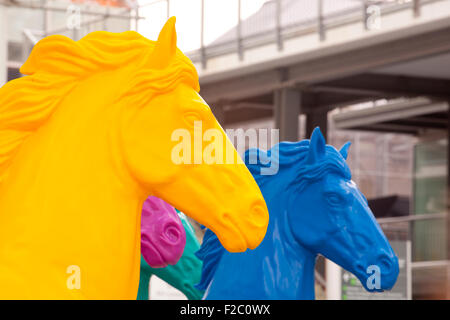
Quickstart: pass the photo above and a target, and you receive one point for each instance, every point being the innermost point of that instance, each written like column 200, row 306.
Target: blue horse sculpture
column 315, row 208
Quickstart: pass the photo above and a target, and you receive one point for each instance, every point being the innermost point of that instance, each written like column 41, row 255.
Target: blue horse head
column 315, row 208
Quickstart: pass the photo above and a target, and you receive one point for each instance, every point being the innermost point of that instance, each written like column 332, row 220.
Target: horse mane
column 210, row 253
column 57, row 63
column 286, row 155
column 294, row 154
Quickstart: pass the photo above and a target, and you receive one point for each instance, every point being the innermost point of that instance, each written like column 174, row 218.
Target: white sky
column 220, row 16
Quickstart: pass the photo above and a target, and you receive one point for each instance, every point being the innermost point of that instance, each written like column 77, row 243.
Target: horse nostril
column 388, row 264
column 385, row 263
column 145, row 238
column 172, row 234
column 258, row 216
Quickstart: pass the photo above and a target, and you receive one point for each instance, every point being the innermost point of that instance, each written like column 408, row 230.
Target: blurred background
column 376, row 73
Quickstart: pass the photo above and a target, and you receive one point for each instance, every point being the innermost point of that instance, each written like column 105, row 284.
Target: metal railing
column 278, row 20
column 274, row 22
column 87, row 16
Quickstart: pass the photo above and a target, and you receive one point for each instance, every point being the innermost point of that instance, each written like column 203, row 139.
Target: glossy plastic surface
column 85, row 138
column 183, row 275
column 315, row 208
column 162, row 234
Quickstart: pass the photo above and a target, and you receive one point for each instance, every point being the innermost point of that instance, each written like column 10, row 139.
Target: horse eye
column 334, row 199
column 190, row 118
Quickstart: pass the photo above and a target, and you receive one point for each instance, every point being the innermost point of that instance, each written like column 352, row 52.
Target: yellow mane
column 57, row 63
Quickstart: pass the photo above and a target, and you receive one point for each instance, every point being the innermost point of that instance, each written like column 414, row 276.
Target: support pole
column 278, row 26
column 287, row 112
column 239, row 33
column 416, row 8
column 45, row 18
column 136, row 19
column 321, row 26
column 365, row 15
column 168, row 9
column 202, row 36
column 333, row 280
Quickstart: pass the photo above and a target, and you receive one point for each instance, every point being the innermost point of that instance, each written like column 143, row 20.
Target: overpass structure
column 305, row 57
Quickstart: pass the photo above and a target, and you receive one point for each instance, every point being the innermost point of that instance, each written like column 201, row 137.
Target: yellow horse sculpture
column 85, row 138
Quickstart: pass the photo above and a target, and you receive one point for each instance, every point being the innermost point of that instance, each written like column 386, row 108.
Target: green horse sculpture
column 183, row 275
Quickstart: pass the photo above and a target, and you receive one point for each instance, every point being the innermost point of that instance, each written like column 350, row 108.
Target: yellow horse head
column 85, row 138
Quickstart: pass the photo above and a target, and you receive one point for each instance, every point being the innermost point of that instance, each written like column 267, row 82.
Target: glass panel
column 430, row 192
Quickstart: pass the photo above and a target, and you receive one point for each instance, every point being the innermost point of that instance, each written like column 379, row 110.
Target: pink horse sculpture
column 162, row 233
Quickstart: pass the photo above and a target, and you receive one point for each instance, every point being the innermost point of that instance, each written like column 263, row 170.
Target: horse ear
column 166, row 46
column 316, row 146
column 344, row 149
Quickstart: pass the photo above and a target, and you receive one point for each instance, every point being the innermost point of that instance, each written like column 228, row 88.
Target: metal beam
column 430, row 264
column 425, row 122
column 324, row 88
column 388, row 128
column 330, row 100
column 389, row 85
column 242, row 88
column 384, row 116
column 251, row 105
column 411, row 218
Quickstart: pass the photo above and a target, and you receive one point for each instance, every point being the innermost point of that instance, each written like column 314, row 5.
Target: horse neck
column 144, row 280
column 287, row 267
column 182, row 276
column 76, row 152
column 295, row 263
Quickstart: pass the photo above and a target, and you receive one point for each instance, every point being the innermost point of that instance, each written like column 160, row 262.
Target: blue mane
column 286, row 154
column 210, row 253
